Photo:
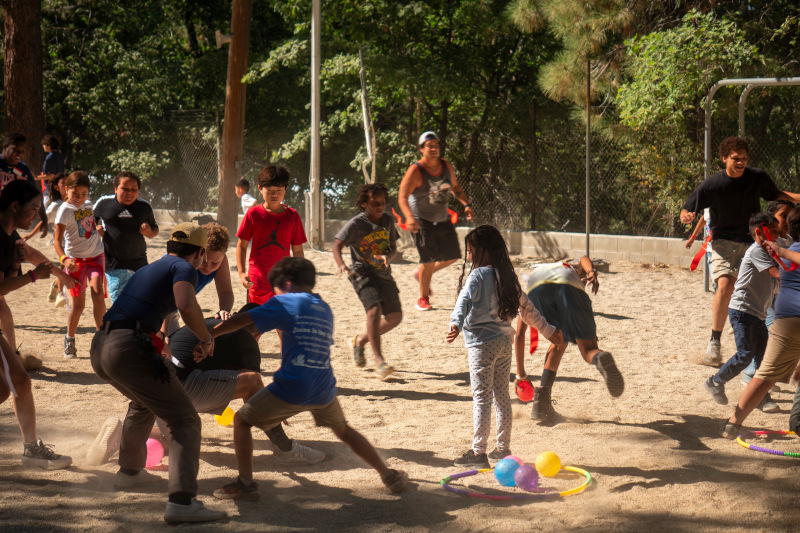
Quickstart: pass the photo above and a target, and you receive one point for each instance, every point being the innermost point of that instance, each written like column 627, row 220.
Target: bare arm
column 687, row 217
column 412, row 179
column 222, row 282
column 58, row 237
column 588, row 274
column 236, row 322
column 459, row 193
column 297, row 250
column 241, row 262
column 148, row 231
column 35, row 257
column 192, row 316
column 790, row 196
column 337, row 256
column 697, row 229
column 519, row 348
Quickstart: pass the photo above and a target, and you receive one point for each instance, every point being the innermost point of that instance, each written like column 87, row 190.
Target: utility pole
column 315, row 216
column 233, row 127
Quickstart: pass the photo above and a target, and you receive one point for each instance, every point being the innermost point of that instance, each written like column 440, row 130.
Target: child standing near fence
column 81, row 255
column 487, row 301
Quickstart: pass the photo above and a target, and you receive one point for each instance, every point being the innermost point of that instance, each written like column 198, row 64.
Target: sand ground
column 654, row 453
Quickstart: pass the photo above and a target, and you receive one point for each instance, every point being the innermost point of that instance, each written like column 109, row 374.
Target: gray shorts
column 211, row 390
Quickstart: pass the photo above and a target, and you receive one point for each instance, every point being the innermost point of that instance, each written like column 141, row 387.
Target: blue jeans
column 751, row 336
column 117, row 279
column 751, row 370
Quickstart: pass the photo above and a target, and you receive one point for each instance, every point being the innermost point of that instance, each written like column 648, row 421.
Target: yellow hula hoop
column 505, row 497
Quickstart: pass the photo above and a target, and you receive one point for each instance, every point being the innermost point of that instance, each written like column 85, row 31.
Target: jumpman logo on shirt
column 273, row 239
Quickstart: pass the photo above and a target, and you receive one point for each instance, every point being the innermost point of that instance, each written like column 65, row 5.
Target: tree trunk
column 22, row 51
column 534, row 161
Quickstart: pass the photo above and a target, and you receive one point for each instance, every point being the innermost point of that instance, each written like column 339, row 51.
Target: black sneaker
column 542, row 405
column 471, row 460
column 496, row 455
column 717, row 391
column 42, row 455
column 608, row 369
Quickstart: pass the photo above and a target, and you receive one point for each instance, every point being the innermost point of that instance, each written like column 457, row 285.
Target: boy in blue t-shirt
column 305, row 380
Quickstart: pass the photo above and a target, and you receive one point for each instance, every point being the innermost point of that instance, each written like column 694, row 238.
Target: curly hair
column 733, row 144
column 370, row 189
column 490, row 249
column 218, row 238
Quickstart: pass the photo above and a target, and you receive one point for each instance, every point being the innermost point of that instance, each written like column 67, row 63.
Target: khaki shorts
column 726, row 257
column 265, row 411
column 783, row 351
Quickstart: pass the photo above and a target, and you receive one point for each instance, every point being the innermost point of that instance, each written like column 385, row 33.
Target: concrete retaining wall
column 532, row 243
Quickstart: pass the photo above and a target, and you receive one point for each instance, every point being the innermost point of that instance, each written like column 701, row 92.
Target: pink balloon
column 517, row 459
column 155, row 452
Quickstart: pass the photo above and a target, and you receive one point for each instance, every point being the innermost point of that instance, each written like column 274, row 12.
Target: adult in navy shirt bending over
column 127, row 220
column 123, row 354
column 732, row 195
column 12, row 168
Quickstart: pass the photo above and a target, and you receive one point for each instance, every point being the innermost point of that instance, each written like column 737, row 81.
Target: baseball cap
column 189, row 233
column 427, row 136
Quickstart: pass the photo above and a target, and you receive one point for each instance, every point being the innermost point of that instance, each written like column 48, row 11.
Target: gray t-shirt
column 754, row 289
column 366, row 240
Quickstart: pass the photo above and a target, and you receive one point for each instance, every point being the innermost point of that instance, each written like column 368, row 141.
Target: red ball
column 525, row 391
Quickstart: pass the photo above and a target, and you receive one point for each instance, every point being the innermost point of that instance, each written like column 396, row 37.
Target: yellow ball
column 226, row 418
column 548, row 464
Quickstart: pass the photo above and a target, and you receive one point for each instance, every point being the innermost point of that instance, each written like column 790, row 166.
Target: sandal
column 396, row 481
column 384, row 370
column 358, row 353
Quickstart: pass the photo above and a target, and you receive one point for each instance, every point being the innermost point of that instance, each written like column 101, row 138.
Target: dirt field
column 654, row 453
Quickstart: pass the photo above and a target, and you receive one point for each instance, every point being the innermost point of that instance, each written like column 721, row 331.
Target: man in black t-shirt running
column 732, row 195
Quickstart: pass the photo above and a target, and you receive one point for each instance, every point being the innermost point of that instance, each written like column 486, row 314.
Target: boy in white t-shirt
column 243, row 192
column 81, row 256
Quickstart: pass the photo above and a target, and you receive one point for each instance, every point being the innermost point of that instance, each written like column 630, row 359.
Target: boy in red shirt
column 275, row 229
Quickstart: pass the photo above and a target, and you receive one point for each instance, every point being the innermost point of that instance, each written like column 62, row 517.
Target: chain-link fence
column 534, row 179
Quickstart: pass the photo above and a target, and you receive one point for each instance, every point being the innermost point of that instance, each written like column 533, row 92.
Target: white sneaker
column 194, row 512
column 126, row 482
column 42, row 455
column 713, row 356
column 106, row 444
column 300, row 454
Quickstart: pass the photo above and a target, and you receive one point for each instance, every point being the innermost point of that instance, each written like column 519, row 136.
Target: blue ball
column 504, row 472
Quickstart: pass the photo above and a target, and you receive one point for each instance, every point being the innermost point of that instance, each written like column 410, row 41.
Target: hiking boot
column 396, row 481
column 124, row 481
column 423, row 304
column 471, row 460
column 608, row 369
column 713, row 357
column 194, row 512
column 384, row 370
column 300, row 454
column 768, row 406
column 42, row 455
column 717, row 391
column 542, row 405
column 70, row 351
column 731, row 431
column 106, row 444
column 496, row 455
column 358, row 354
column 238, row 491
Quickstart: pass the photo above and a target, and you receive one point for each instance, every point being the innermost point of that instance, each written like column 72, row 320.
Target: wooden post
column 315, row 221
column 233, row 127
